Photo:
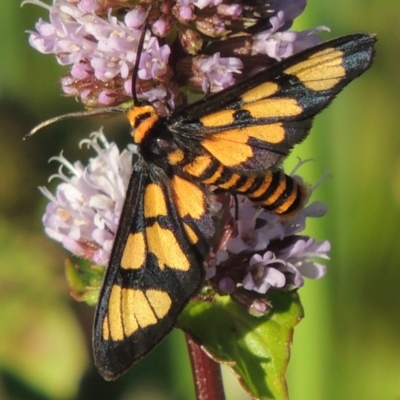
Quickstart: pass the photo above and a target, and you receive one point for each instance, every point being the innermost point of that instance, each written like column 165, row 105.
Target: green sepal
column 84, row 281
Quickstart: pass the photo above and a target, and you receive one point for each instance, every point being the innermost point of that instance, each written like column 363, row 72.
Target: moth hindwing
column 235, row 141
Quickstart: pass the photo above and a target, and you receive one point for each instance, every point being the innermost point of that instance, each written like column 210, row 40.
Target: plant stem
column 206, row 373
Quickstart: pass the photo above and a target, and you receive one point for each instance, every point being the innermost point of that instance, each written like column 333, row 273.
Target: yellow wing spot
column 128, row 316
column 154, row 201
column 176, row 157
column 231, row 182
column 142, row 310
column 190, row 233
column 262, row 91
column 106, row 329
column 114, row 314
column 322, row 71
column 271, row 133
column 270, row 108
column 160, row 302
column 188, row 197
column 198, row 166
column 229, row 147
column 164, row 245
column 134, row 254
column 220, row 118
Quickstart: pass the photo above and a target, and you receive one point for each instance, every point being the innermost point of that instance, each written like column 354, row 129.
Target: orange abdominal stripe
column 234, row 141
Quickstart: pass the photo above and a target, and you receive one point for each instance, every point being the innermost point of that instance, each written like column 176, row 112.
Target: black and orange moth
column 234, row 141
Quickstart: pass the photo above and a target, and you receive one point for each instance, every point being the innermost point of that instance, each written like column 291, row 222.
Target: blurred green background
column 347, row 347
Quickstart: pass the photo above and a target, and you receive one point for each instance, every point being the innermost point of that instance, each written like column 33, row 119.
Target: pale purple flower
column 153, row 61
column 218, row 71
column 250, row 238
column 84, row 213
column 279, row 44
column 134, row 18
column 185, row 13
column 80, row 70
column 105, row 97
column 160, row 27
column 263, row 274
column 300, row 260
column 89, row 5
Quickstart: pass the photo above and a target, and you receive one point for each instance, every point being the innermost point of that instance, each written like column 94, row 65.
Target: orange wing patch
column 135, row 251
column 262, row 91
column 154, row 201
column 273, row 108
column 231, row 147
column 184, row 190
column 165, row 246
column 220, row 118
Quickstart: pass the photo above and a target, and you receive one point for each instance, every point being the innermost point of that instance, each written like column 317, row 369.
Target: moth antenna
column 89, row 113
column 138, row 55
column 76, row 114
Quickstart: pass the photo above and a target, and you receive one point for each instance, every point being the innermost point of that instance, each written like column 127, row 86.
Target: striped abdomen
column 273, row 190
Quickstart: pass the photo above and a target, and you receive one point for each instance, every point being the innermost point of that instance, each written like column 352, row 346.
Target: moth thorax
column 142, row 119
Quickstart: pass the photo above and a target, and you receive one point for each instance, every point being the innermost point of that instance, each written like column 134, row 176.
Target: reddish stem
column 206, row 373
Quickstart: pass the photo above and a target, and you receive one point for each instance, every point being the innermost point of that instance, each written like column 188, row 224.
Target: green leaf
column 256, row 348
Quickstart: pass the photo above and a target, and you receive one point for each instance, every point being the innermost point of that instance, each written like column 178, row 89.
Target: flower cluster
column 204, row 44
column 258, row 250
column 84, row 213
column 264, row 251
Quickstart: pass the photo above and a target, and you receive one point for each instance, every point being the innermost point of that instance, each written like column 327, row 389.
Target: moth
column 233, row 140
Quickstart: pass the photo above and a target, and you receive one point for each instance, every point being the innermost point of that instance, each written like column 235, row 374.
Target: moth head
column 142, row 119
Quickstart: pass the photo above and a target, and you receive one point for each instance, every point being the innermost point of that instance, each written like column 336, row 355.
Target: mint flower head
column 84, row 213
column 205, row 45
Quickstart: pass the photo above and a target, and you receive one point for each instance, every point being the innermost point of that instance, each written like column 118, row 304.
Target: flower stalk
column 207, row 375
